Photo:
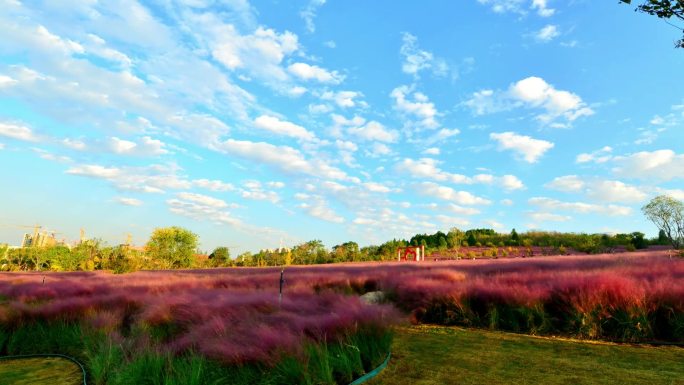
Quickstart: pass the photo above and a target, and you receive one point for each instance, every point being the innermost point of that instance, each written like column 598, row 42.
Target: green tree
column 220, row 257
column 172, row 247
column 667, row 214
column 664, row 9
column 455, row 239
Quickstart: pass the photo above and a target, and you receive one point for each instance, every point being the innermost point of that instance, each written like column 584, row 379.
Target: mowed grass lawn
column 427, row 355
column 40, row 371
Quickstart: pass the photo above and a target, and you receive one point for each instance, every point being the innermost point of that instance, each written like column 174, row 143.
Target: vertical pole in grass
column 280, row 293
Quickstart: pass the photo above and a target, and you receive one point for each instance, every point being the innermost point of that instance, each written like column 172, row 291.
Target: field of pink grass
column 233, row 315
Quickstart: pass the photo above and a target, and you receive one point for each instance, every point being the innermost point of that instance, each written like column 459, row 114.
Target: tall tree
column 664, row 9
column 172, row 247
column 668, row 214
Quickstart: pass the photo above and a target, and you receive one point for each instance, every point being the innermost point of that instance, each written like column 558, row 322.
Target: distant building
column 39, row 240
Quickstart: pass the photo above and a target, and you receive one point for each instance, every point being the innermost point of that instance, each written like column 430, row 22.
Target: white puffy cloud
column 599, row 156
column 254, row 190
column 17, row 131
column 146, row 147
column 427, row 168
column 532, row 92
column 547, row 33
column 317, row 207
column 128, row 201
column 518, row 6
column 201, row 199
column 284, row 158
column 200, row 209
column 660, row 165
column 525, row 147
column 601, row 189
column 542, row 8
column 259, row 54
column 282, row 127
column 548, row 204
column 431, row 151
column 149, row 179
column 415, row 105
column 344, row 99
column 448, row 194
column 567, row 183
column 309, row 72
column 368, row 131
column 213, row 185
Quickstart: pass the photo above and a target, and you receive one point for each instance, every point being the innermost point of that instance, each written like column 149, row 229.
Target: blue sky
column 256, row 123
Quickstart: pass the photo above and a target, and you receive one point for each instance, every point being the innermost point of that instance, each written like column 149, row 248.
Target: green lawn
column 40, row 371
column 443, row 355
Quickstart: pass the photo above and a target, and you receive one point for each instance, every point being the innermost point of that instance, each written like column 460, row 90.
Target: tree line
column 177, row 248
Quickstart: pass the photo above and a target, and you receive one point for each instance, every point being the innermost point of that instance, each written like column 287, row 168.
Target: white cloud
column 567, row 183
column 254, row 190
column 614, row 191
column 149, row 179
column 431, row 151
column 17, row 131
column 312, row 72
column 2, row 146
column 345, row 99
column 358, row 127
column 542, row 8
column 599, row 156
column 511, row 182
column 309, row 14
column 506, row 202
column 503, row 6
column 547, row 33
column 129, row 201
column 548, row 204
column 317, row 207
column 284, row 158
column 660, row 165
column 282, row 127
column 204, row 200
column 532, row 92
column 419, row 107
column 6, row 81
column 527, row 148
column 441, row 135
column 146, row 147
column 213, row 185
column 449, row 194
column 428, row 168
column 599, row 189
column 197, row 208
column 417, row 60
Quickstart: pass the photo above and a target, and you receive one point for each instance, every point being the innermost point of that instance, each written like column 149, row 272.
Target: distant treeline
column 175, row 248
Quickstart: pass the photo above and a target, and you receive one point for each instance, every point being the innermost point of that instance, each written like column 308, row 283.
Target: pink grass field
column 233, row 314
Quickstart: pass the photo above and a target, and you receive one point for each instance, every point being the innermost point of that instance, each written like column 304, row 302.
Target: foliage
column 667, row 214
column 172, row 247
column 220, row 257
column 664, row 9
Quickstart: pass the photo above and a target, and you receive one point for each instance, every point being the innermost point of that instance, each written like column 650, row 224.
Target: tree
column 454, row 239
column 667, row 214
column 220, row 256
column 172, row 247
column 664, row 9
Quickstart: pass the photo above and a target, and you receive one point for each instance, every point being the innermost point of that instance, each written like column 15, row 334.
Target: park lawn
column 40, row 371
column 433, row 355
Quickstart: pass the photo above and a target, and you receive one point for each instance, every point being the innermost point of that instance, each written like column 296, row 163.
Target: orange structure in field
column 411, row 253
